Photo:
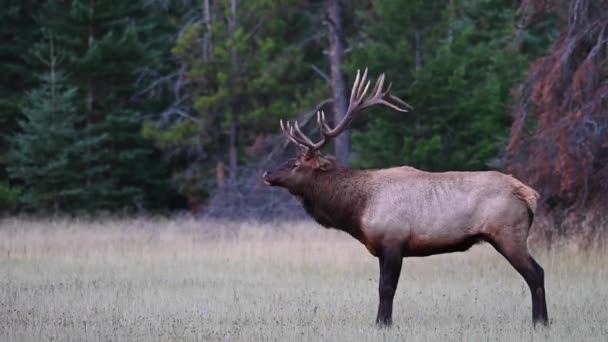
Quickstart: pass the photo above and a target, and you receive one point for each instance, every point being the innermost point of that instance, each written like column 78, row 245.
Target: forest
column 160, row 106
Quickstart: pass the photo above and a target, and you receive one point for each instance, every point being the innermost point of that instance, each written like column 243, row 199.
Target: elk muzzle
column 266, row 177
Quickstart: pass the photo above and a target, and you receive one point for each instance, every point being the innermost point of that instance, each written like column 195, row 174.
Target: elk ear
column 325, row 163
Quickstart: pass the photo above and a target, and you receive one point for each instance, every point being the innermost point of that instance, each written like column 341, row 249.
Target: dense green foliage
column 148, row 98
column 459, row 86
column 238, row 79
column 79, row 145
column 16, row 35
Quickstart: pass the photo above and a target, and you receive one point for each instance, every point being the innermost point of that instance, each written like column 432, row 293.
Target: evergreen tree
column 107, row 46
column 17, row 32
column 46, row 155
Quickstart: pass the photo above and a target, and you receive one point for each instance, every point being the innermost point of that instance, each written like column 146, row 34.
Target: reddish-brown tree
column 559, row 137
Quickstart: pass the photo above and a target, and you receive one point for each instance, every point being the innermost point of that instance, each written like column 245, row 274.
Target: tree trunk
column 90, row 97
column 234, row 121
column 452, row 15
column 234, row 151
column 90, row 41
column 220, row 174
column 53, row 110
column 209, row 40
column 417, row 49
column 333, row 14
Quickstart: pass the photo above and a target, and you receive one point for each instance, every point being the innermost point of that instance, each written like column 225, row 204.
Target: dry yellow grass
column 159, row 280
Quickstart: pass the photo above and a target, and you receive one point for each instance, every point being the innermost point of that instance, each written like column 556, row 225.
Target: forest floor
column 161, row 280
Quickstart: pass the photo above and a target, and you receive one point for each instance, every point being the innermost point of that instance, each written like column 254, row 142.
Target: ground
column 160, row 280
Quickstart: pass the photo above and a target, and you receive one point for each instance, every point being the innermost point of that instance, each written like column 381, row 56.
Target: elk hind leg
column 519, row 257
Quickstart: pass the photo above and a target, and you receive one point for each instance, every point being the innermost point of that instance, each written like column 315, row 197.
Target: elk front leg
column 390, row 268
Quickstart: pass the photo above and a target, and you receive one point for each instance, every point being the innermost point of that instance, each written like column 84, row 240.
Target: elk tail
column 526, row 194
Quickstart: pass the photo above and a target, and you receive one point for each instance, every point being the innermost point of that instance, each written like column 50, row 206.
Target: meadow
column 187, row 280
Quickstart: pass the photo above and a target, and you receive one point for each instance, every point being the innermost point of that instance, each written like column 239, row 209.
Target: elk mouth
column 266, row 178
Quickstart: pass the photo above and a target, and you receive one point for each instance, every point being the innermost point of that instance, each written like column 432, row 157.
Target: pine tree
column 17, row 31
column 46, row 155
column 107, row 45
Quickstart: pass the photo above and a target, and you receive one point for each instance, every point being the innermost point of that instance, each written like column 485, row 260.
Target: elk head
column 309, row 161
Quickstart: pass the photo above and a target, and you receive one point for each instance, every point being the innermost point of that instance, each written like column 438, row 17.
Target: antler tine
column 304, row 143
column 400, row 105
column 358, row 91
column 385, row 98
column 363, row 89
column 400, row 101
column 394, row 106
column 377, row 91
column 380, row 97
column 293, row 136
column 309, row 142
column 289, row 134
column 283, row 128
column 286, row 130
column 353, row 91
column 321, row 121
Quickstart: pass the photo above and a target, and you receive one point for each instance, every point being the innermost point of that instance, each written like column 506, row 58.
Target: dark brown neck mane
column 336, row 199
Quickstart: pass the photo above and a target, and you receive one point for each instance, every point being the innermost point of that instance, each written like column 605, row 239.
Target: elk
column 405, row 212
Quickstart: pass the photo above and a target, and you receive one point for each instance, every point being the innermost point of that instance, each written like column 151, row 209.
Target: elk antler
column 359, row 100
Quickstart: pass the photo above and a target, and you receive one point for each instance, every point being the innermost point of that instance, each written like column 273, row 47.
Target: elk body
column 401, row 212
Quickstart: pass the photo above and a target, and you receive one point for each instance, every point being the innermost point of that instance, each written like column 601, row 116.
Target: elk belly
column 425, row 246
column 419, row 228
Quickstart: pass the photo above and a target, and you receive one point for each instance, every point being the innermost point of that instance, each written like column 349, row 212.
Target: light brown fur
column 402, row 211
column 525, row 193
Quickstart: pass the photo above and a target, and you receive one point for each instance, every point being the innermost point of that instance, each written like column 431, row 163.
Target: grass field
column 147, row 280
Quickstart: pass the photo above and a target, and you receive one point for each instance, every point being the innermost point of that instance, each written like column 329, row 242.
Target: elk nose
column 266, row 174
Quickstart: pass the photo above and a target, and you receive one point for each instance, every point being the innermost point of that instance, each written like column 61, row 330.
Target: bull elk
column 405, row 212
